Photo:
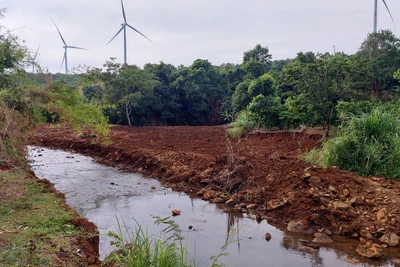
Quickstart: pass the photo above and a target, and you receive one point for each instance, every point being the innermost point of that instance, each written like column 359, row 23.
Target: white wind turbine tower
column 376, row 15
column 65, row 58
column 123, row 27
column 34, row 59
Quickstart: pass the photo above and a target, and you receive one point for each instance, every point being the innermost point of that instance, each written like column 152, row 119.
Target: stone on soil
column 391, row 239
column 369, row 249
column 339, row 205
column 322, row 238
column 382, row 216
column 298, row 227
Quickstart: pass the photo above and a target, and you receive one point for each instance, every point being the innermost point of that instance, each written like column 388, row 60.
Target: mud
column 260, row 174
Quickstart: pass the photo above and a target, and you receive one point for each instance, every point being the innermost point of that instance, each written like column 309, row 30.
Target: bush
column 242, row 124
column 368, row 145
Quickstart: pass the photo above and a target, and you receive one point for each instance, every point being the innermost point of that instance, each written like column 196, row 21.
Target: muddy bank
column 260, row 174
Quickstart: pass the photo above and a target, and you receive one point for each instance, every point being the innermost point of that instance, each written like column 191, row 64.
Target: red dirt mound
column 260, row 173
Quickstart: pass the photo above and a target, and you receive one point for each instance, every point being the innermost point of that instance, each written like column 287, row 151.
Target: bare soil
column 261, row 174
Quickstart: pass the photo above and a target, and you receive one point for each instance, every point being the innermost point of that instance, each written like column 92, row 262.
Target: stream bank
column 260, row 174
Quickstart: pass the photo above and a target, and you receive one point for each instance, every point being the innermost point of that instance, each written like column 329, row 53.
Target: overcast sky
column 185, row 30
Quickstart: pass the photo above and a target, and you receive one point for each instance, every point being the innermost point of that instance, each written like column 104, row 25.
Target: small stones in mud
column 356, row 201
column 298, row 227
column 322, row 238
column 315, row 180
column 391, row 239
column 338, row 205
column 346, row 192
column 251, row 206
column 276, row 204
column 396, row 261
column 268, row 237
column 308, row 249
column 229, row 201
column 352, row 261
column 332, row 189
column 382, row 216
column 176, row 212
column 369, row 249
column 218, row 200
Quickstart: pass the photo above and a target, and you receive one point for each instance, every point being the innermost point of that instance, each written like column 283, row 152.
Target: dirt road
column 260, row 174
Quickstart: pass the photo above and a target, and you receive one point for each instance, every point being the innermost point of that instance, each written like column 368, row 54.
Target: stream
column 106, row 195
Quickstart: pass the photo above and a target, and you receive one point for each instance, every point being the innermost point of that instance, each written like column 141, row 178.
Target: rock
column 308, row 249
column 306, row 176
column 356, row 201
column 276, row 204
column 352, row 261
column 268, row 237
column 251, row 206
column 369, row 249
column 332, row 189
column 229, row 202
column 252, row 217
column 315, row 180
column 382, row 216
column 346, row 192
column 366, row 234
column 218, row 200
column 391, row 239
column 153, row 188
column 396, row 261
column 176, row 212
column 338, row 205
column 298, row 227
column 322, row 238
column 190, row 227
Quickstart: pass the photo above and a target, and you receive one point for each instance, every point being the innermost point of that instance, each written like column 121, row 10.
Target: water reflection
column 103, row 194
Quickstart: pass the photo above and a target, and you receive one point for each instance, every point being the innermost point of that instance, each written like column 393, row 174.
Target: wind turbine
column 65, row 58
column 376, row 15
column 123, row 27
column 34, row 63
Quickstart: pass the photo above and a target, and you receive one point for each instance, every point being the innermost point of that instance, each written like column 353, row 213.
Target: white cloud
column 182, row 31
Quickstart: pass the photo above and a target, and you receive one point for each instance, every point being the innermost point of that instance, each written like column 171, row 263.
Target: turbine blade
column 390, row 14
column 59, row 32
column 75, row 47
column 116, row 34
column 139, row 32
column 123, row 11
column 62, row 63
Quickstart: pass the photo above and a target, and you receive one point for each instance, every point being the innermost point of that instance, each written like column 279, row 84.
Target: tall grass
column 243, row 124
column 142, row 250
column 368, row 145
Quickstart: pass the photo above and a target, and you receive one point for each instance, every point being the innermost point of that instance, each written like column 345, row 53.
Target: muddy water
column 103, row 194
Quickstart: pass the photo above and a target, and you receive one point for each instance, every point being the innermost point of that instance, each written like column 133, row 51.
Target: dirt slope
column 261, row 169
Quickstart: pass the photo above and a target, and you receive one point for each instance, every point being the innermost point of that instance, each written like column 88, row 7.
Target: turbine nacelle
column 123, row 27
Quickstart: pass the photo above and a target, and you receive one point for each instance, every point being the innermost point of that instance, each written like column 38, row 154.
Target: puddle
column 103, row 194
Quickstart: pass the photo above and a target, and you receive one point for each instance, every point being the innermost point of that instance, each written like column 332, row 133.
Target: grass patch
column 367, row 145
column 33, row 224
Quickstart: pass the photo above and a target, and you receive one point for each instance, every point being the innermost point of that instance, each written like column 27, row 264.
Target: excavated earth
column 261, row 174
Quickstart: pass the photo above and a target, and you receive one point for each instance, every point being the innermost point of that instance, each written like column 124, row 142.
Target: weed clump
column 367, row 145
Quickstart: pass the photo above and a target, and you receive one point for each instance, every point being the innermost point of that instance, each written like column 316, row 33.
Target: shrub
column 368, row 145
column 242, row 124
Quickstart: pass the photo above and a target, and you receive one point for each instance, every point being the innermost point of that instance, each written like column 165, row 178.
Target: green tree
column 318, row 86
column 259, row 54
